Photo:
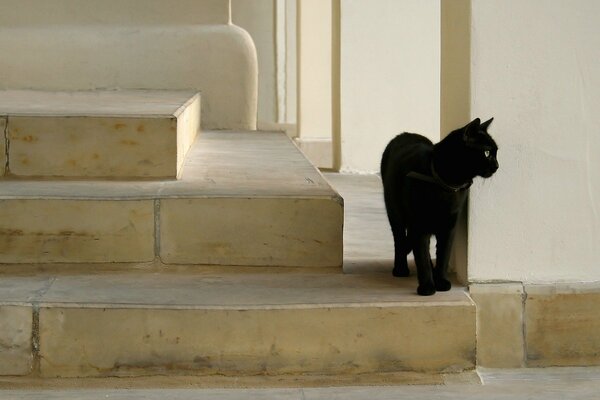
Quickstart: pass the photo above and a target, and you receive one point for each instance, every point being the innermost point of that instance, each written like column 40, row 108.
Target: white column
column 535, row 68
column 390, row 76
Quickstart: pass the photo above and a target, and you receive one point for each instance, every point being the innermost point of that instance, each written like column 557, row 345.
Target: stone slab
column 81, row 341
column 99, row 134
column 252, row 231
column 228, row 288
column 500, row 341
column 16, row 355
column 245, row 324
column 54, row 231
column 562, row 324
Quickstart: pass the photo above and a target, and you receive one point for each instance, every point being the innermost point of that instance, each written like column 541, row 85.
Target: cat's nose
column 496, row 165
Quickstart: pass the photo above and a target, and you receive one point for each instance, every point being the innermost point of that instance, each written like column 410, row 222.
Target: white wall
column 141, row 44
column 314, row 69
column 390, row 76
column 257, row 17
column 536, row 69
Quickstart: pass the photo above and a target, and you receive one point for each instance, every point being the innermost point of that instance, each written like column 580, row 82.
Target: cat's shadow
column 379, row 272
column 372, row 266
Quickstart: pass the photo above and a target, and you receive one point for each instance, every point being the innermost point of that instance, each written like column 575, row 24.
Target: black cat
column 425, row 188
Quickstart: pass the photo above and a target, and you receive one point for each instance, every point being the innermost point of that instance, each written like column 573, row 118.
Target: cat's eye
column 487, row 153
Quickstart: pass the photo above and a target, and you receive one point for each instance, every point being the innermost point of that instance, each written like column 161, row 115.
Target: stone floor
column 543, row 384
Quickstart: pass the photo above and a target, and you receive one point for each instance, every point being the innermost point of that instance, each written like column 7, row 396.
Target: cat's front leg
column 400, row 251
column 443, row 250
column 424, row 266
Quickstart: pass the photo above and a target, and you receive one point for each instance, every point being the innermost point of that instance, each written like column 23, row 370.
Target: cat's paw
column 400, row 271
column 442, row 285
column 426, row 290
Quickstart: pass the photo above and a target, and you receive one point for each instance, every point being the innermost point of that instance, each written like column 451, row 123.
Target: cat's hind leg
column 420, row 246
column 401, row 249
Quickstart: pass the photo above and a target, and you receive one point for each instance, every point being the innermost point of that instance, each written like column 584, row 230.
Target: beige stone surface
column 2, row 146
column 106, row 134
column 500, row 341
column 80, row 341
column 188, row 127
column 92, row 147
column 562, row 325
column 231, row 288
column 252, row 231
column 16, row 356
column 530, row 383
column 243, row 198
column 47, row 230
column 219, row 164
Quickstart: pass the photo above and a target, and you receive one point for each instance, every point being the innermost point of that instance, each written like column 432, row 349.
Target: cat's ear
column 486, row 124
column 471, row 128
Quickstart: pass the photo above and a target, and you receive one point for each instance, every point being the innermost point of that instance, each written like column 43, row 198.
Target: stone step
column 238, row 322
column 244, row 198
column 97, row 134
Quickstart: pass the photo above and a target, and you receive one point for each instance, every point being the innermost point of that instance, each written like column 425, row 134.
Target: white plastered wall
column 257, row 17
column 133, row 44
column 390, row 76
column 314, row 71
column 536, row 69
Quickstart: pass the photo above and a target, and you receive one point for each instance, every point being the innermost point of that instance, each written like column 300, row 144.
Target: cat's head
column 479, row 147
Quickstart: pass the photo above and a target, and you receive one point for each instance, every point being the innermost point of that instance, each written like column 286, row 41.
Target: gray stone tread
column 94, row 103
column 219, row 164
column 221, row 290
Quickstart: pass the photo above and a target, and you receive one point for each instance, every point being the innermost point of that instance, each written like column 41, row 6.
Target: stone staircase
column 234, row 269
column 246, row 198
column 134, row 244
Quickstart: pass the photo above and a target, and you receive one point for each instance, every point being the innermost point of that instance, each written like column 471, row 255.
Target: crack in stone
column 35, row 327
column 524, row 324
column 6, row 146
column 35, row 339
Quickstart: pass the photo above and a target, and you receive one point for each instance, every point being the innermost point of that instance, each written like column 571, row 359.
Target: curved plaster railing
column 133, row 44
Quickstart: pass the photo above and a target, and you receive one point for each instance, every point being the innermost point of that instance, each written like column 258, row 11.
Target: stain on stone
column 120, row 126
column 72, row 233
column 334, row 349
column 141, row 128
column 129, row 142
column 274, row 352
column 29, row 139
column 11, row 232
column 95, row 156
column 202, row 362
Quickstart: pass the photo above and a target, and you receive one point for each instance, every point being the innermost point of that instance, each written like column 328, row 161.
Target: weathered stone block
column 500, row 342
column 47, row 230
column 252, row 231
column 16, row 356
column 563, row 325
column 102, row 134
column 78, row 341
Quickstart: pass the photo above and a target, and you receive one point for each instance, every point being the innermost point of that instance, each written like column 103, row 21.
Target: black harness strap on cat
column 436, row 180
